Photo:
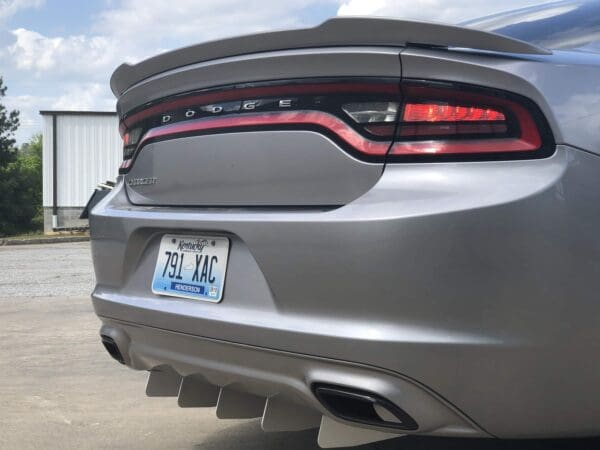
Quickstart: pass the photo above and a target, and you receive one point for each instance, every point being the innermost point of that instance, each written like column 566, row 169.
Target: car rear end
column 371, row 236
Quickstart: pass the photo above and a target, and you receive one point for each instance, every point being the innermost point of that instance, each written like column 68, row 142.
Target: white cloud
column 29, row 118
column 363, row 8
column 85, row 97
column 10, row 7
column 430, row 10
column 35, row 52
column 198, row 20
column 146, row 27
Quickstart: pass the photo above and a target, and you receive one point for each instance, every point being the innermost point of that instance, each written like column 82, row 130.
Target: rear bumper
column 475, row 279
column 285, row 378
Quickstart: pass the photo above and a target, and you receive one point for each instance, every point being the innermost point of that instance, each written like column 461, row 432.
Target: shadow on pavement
column 249, row 436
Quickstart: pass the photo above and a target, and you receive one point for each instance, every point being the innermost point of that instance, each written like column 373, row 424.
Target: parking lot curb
column 48, row 240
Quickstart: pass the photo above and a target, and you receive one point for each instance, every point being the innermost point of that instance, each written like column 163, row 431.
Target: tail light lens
column 444, row 111
column 131, row 140
column 445, row 121
column 373, row 119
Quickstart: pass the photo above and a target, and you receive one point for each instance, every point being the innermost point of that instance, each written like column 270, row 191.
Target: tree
column 9, row 123
column 20, row 176
column 33, row 148
column 9, row 179
column 29, row 159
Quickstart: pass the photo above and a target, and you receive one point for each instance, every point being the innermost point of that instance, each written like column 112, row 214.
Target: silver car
column 376, row 227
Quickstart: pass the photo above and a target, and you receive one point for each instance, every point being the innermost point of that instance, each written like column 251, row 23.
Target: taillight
column 444, row 111
column 131, row 140
column 373, row 119
column 345, row 110
column 447, row 121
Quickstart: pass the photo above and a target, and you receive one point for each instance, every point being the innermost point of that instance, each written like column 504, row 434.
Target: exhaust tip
column 112, row 348
column 363, row 407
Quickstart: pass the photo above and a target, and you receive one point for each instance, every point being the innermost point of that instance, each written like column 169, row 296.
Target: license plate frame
column 194, row 273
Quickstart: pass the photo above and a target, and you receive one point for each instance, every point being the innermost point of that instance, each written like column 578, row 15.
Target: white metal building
column 80, row 150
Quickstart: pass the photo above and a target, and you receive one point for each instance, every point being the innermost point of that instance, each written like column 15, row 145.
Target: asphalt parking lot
column 58, row 388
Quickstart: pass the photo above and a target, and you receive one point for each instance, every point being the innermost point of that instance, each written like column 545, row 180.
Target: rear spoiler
column 336, row 32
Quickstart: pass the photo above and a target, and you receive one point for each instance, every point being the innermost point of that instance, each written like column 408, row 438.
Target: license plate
column 191, row 267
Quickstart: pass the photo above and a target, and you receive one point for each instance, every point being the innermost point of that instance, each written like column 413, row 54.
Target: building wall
column 89, row 151
column 67, row 218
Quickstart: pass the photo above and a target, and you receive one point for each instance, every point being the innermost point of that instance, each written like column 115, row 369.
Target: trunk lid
column 291, row 118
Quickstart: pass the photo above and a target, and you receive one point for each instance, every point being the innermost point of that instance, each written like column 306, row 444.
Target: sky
column 59, row 54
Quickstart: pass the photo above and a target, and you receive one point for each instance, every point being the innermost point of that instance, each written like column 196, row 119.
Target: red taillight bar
column 457, row 106
column 317, row 118
column 432, row 118
column 529, row 140
column 434, row 112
